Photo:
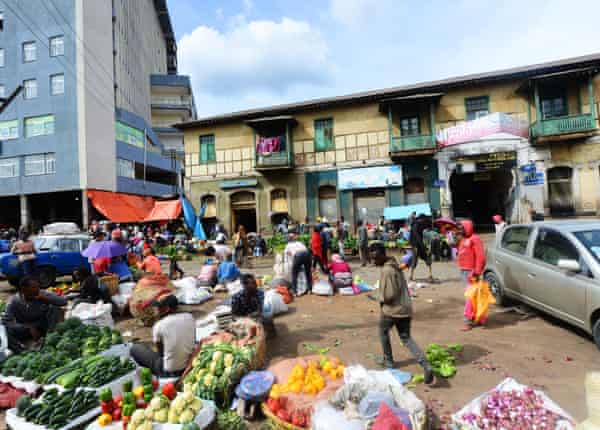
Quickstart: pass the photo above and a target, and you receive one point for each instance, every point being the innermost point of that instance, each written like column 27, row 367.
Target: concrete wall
column 95, row 95
column 64, row 140
column 141, row 51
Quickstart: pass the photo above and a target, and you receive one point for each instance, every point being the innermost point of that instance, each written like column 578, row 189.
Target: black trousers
column 145, row 356
column 403, row 327
column 316, row 260
column 301, row 262
column 18, row 333
column 173, row 268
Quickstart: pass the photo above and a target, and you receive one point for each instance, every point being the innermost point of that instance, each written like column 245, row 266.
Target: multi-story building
column 471, row 146
column 84, row 120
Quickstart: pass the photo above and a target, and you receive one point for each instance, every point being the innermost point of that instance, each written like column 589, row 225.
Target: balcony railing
column 563, row 125
column 412, row 143
column 272, row 160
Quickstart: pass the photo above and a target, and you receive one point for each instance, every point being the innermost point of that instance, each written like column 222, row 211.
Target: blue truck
column 57, row 255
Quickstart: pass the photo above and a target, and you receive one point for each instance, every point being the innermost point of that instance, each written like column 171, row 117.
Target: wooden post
column 432, row 122
column 390, row 126
column 254, row 147
column 538, row 112
column 591, row 94
column 288, row 142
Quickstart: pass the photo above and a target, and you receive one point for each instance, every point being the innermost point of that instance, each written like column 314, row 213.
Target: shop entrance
column 481, row 195
column 243, row 211
column 328, row 202
column 560, row 191
column 369, row 205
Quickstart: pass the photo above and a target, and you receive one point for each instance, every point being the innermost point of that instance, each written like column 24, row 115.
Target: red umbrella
column 445, row 221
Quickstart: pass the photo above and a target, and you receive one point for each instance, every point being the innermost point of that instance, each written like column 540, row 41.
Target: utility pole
column 8, row 100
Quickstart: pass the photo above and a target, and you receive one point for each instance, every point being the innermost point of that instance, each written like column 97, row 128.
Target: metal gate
column 560, row 191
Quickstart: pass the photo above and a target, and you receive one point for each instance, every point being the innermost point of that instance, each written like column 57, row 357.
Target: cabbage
column 161, row 416
column 138, row 417
column 188, row 397
column 187, row 416
column 155, row 404
column 196, row 405
column 173, row 417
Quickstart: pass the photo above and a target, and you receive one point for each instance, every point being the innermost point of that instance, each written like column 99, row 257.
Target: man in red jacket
column 471, row 260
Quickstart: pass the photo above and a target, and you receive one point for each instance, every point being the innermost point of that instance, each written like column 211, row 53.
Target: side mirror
column 569, row 266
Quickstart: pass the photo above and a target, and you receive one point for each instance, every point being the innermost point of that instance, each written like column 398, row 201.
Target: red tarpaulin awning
column 127, row 208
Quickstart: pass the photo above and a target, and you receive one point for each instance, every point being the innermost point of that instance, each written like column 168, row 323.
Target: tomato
column 283, row 415
column 107, row 407
column 169, row 390
column 154, row 384
column 299, row 418
column 273, row 405
column 118, row 401
column 116, row 415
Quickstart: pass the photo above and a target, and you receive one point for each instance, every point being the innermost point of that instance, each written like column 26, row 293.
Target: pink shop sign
column 480, row 128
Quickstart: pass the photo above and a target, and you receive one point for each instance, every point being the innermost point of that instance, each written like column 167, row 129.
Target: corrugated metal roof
column 522, row 72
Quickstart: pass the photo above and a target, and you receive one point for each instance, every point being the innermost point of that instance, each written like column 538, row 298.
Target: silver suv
column 553, row 266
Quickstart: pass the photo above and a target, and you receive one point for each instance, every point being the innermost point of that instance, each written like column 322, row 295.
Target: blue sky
column 250, row 53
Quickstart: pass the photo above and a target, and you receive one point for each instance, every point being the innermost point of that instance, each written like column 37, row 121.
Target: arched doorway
column 243, row 211
column 481, row 195
column 209, row 219
column 560, row 191
column 279, row 206
column 328, row 202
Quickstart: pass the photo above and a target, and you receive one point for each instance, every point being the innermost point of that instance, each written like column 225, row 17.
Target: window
column 40, row 164
column 68, row 245
column 551, row 246
column 129, row 135
column 477, row 107
column 323, row 134
column 1, row 57
column 207, row 149
column 30, row 89
column 57, row 84
column 29, row 52
column 328, row 202
column 415, row 191
column 125, row 168
column 554, row 103
column 209, row 202
column 591, row 240
column 39, row 126
column 409, row 126
column 279, row 203
column 2, row 91
column 57, row 46
column 515, row 239
column 9, row 167
column 9, row 129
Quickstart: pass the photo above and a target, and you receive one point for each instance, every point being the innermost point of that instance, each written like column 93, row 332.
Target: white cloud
column 255, row 58
column 353, row 13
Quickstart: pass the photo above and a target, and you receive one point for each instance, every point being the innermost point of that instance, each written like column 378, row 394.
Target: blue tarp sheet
column 403, row 212
column 192, row 221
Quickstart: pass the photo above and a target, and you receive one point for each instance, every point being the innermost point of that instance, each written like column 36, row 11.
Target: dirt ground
column 535, row 350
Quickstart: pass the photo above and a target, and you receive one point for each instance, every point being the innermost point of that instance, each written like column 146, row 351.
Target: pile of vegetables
column 279, row 408
column 216, row 370
column 54, row 410
column 309, row 379
column 79, row 339
column 90, row 372
column 305, row 239
column 441, row 359
column 184, row 408
column 351, row 242
column 228, row 420
column 32, row 366
column 276, row 243
column 515, row 409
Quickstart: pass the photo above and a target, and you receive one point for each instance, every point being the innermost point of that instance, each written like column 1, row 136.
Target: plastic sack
column 387, row 420
column 192, row 295
column 323, row 288
column 326, row 417
column 255, row 386
column 301, row 284
column 93, row 314
column 479, row 299
column 273, row 304
column 62, row 228
column 233, row 287
column 285, row 293
column 368, row 407
column 347, row 291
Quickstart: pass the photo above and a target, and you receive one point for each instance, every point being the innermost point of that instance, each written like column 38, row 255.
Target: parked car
column 553, row 266
column 57, row 255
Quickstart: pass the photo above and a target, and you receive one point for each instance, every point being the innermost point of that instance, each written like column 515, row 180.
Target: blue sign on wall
column 536, row 179
column 370, row 177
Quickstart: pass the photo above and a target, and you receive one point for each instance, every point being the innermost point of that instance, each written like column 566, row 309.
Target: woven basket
column 276, row 422
column 112, row 283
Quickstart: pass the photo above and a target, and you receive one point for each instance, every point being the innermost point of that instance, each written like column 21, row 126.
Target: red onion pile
column 513, row 410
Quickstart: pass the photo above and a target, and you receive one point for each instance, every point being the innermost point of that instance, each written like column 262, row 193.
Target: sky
column 245, row 54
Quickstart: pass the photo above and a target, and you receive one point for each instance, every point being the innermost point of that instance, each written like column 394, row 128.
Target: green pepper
column 148, row 389
column 148, row 397
column 106, row 395
column 145, row 376
column 128, row 398
column 128, row 409
column 127, row 386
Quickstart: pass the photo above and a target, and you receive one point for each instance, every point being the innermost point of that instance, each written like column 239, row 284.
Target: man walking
column 363, row 243
column 396, row 311
column 342, row 234
column 296, row 253
column 419, row 249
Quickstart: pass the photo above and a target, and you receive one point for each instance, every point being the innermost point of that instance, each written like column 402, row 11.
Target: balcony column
column 591, row 95
column 390, row 127
column 432, row 123
column 254, row 148
column 288, row 143
column 536, row 95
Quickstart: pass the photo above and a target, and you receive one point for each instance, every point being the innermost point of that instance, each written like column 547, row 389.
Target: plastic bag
column 387, row 420
column 94, row 314
column 192, row 295
column 326, row 417
column 480, row 298
column 233, row 287
column 273, row 304
column 255, row 386
column 368, row 407
column 323, row 288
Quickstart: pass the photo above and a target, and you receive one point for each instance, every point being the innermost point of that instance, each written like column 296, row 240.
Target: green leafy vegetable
column 441, row 360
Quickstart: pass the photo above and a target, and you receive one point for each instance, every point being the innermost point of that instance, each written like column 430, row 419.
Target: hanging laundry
column 267, row 145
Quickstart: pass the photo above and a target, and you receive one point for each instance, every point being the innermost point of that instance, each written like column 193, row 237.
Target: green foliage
column 441, row 360
column 276, row 243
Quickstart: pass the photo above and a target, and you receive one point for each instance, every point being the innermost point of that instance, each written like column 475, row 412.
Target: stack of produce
column 310, row 379
column 78, row 339
column 9, row 395
column 54, row 410
column 229, row 420
column 144, row 393
column 184, row 408
column 63, row 288
column 441, row 359
column 90, row 372
column 216, row 369
column 32, row 366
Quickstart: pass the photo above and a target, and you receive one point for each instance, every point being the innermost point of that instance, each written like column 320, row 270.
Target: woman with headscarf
column 499, row 225
column 24, row 249
column 240, row 242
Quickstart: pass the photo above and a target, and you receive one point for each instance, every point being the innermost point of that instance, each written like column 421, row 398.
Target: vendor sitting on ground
column 173, row 336
column 92, row 289
column 249, row 301
column 208, row 271
column 31, row 313
column 151, row 263
column 340, row 274
column 227, row 271
column 221, row 249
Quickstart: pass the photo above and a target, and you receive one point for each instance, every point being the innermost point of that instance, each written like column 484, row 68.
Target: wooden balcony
column 408, row 145
column 563, row 126
column 274, row 160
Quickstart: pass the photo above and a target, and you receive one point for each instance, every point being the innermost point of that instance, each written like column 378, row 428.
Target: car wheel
column 496, row 288
column 596, row 333
column 47, row 276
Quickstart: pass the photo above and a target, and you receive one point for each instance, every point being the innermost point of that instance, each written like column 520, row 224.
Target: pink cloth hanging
column 267, row 145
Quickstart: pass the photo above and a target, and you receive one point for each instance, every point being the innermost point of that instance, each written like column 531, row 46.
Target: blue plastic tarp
column 189, row 214
column 403, row 212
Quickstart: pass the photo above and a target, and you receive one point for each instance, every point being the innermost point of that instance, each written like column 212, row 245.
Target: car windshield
column 591, row 240
column 44, row 243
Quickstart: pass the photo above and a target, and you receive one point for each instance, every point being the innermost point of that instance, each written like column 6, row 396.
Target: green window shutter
column 323, row 134
column 207, row 148
column 211, row 151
